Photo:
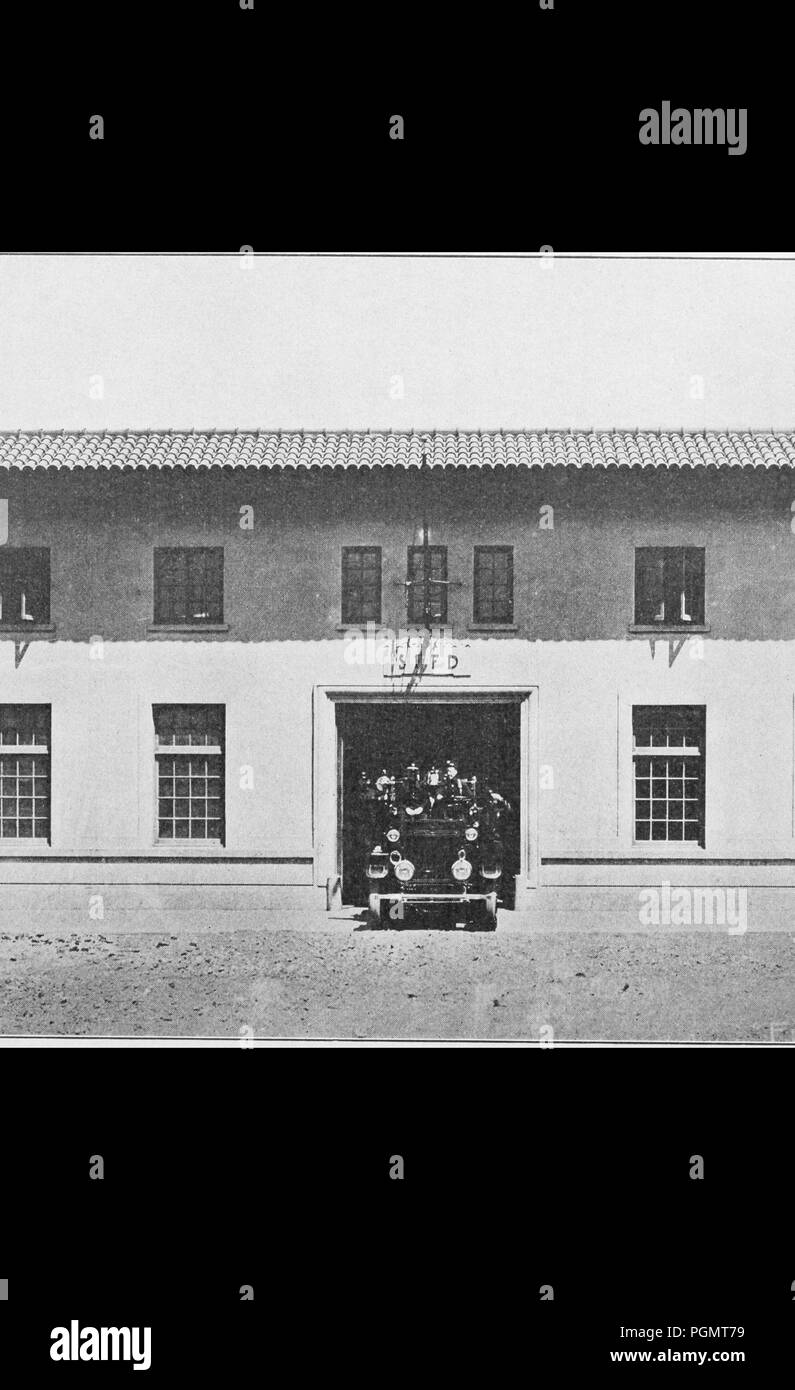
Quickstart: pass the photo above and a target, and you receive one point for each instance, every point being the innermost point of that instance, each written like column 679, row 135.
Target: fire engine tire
column 374, row 910
column 490, row 912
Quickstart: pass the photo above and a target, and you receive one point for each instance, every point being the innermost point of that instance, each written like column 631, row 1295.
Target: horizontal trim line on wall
column 151, row 859
column 187, row 627
column 673, row 861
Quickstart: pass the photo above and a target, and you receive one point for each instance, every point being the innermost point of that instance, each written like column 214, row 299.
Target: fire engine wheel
column 490, row 912
column 374, row 910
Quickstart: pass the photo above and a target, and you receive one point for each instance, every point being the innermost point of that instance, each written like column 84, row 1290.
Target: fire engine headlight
column 461, row 869
column 470, row 833
column 377, row 866
column 404, row 870
column 393, row 836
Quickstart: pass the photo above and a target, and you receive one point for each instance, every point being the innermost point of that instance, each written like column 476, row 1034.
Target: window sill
column 664, row 629
column 668, row 849
column 203, row 846
column 367, row 625
column 25, row 629
column 492, row 627
column 187, row 627
column 9, row 845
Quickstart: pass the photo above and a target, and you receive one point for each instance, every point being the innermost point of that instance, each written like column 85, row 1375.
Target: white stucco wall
column 103, row 773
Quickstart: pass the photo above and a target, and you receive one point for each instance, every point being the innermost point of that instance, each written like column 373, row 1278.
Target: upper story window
column 25, row 772
column 189, row 585
column 24, row 585
column 669, row 586
column 361, row 583
column 493, row 586
column 427, row 584
column 668, row 755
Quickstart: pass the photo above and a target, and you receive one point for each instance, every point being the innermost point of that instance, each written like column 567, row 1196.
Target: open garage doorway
column 482, row 739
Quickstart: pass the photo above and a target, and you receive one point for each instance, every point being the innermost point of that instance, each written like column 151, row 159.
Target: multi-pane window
column 189, row 584
column 669, row 585
column 668, row 753
column 24, row 585
column 493, row 587
column 25, row 772
column 189, row 751
column 361, row 583
column 427, row 584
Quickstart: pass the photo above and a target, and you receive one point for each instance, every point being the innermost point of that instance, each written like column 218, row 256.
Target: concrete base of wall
column 731, row 910
column 86, row 901
column 524, row 895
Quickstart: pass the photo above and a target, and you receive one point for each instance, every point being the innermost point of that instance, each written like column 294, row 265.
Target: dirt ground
column 331, row 978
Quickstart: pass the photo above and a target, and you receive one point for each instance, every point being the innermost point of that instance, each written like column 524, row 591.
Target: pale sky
column 331, row 342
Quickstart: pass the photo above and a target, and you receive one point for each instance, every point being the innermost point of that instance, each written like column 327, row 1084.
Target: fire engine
column 435, row 845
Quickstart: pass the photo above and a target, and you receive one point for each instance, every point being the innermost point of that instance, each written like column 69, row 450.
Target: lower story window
column 25, row 772
column 189, row 750
column 668, row 753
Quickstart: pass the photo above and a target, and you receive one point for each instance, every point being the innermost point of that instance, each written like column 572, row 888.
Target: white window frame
column 191, row 750
column 691, row 752
column 21, row 750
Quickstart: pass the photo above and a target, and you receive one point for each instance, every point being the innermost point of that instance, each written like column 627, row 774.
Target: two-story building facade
column 206, row 637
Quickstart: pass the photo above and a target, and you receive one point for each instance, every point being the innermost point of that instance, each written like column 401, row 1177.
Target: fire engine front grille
column 432, row 852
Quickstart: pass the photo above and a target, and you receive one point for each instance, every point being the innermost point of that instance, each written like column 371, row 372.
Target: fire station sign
column 411, row 653
column 426, row 654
